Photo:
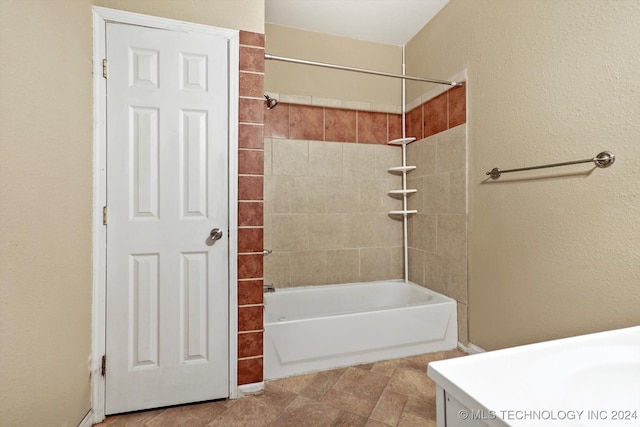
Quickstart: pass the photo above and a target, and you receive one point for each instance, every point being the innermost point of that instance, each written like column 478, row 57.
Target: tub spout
column 269, row 288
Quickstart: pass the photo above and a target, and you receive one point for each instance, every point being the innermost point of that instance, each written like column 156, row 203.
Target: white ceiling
column 392, row 22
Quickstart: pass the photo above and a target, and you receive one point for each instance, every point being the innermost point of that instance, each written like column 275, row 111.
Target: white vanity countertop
column 588, row 380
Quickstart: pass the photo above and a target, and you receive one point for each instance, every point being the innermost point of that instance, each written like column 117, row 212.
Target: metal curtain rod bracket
column 358, row 70
column 602, row 160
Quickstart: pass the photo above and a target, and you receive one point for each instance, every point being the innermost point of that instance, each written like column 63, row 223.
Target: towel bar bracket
column 604, row 159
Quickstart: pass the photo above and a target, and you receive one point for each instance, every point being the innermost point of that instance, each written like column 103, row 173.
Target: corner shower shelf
column 401, row 169
column 404, row 169
column 407, row 212
column 401, row 141
column 407, row 191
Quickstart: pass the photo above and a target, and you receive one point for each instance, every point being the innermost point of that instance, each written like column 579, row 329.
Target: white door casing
column 171, row 150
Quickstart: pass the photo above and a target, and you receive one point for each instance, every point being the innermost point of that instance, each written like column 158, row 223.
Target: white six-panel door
column 167, row 188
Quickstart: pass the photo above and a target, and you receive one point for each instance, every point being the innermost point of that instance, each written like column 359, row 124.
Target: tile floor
column 388, row 393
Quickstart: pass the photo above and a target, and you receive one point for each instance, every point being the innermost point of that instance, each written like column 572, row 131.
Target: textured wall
column 552, row 253
column 46, row 196
column 45, row 211
column 296, row 79
column 245, row 15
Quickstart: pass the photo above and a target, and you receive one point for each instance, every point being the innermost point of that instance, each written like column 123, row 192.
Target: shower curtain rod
column 358, row 70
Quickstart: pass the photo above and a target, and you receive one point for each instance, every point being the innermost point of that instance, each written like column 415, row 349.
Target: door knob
column 216, row 234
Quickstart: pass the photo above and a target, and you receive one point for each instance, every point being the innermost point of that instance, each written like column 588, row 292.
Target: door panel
column 167, row 188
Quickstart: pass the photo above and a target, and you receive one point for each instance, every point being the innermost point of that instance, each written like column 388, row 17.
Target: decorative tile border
column 323, row 119
column 309, row 122
column 250, row 207
column 335, row 103
column 436, row 90
column 445, row 111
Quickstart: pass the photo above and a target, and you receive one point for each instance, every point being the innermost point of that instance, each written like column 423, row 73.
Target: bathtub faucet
column 269, row 288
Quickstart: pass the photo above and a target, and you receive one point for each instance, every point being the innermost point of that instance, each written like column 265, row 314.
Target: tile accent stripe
column 250, row 207
column 442, row 112
column 321, row 123
column 316, row 123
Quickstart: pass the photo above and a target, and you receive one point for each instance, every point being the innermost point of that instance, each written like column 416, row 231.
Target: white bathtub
column 588, row 381
column 315, row 328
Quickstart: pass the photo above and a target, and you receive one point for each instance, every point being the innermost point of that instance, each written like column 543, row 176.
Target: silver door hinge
column 104, row 68
column 104, row 215
column 103, row 367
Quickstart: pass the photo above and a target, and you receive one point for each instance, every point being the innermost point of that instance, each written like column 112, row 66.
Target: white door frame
column 100, row 17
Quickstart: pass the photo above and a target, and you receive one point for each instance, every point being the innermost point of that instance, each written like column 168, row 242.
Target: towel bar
column 602, row 160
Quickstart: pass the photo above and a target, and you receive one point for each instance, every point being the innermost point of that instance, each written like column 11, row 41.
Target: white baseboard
column 470, row 348
column 87, row 421
column 249, row 389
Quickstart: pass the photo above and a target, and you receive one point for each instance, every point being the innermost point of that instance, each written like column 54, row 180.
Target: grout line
column 288, row 106
column 324, row 124
column 253, row 331
column 250, row 149
column 252, row 46
column 250, row 357
column 261, row 73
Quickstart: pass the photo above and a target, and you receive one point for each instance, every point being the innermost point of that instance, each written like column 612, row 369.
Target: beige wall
column 46, row 196
column 45, row 208
column 547, row 81
column 326, row 213
column 296, row 79
column 245, row 15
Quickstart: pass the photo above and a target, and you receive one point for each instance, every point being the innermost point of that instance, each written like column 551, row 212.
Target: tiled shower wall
column 438, row 232
column 250, row 208
column 326, row 202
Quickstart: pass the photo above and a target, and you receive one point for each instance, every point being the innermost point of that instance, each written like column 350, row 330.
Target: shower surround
column 438, row 232
column 326, row 194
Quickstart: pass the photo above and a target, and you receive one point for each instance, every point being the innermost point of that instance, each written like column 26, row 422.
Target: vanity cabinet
column 452, row 413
